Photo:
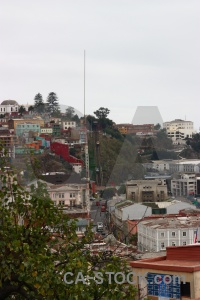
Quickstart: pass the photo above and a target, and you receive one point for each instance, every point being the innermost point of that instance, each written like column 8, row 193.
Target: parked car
column 99, row 226
column 97, row 203
column 103, row 208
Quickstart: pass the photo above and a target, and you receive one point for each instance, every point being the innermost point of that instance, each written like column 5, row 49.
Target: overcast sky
column 138, row 53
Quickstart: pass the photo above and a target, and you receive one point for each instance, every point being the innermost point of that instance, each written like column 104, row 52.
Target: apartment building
column 184, row 185
column 12, row 123
column 175, row 275
column 146, row 190
column 26, row 127
column 156, row 234
column 9, row 142
column 68, row 124
column 179, row 129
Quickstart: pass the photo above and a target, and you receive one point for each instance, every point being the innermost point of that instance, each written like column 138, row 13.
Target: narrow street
column 97, row 215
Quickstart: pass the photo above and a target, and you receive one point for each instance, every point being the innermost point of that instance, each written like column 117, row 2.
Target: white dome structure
column 9, row 106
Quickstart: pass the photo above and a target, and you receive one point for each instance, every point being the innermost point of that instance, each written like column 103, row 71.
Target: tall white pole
column 86, row 155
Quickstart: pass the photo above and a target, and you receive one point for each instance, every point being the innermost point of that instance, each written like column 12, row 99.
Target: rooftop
column 174, row 222
column 9, row 102
column 180, row 258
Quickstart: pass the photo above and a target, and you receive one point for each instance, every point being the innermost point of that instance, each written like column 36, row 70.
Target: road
column 97, row 215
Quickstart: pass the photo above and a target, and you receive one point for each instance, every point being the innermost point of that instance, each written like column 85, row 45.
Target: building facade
column 68, row 124
column 8, row 106
column 146, row 190
column 26, row 127
column 47, row 130
column 173, row 276
column 144, row 129
column 184, row 185
column 155, row 235
column 179, row 129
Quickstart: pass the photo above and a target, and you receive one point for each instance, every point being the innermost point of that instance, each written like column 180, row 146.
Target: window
column 173, row 244
column 162, row 234
column 63, row 195
column 173, row 233
column 184, row 243
column 162, row 245
column 61, row 202
column 184, row 233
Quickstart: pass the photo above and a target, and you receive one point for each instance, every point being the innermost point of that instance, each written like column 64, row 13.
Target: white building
column 184, row 185
column 9, row 106
column 178, row 130
column 68, row 124
column 47, row 130
column 183, row 165
column 156, row 234
column 65, row 195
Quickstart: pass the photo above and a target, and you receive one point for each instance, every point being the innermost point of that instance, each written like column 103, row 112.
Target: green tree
column 39, row 245
column 31, row 108
column 52, row 103
column 21, row 110
column 102, row 112
column 39, row 103
column 157, row 126
column 69, row 112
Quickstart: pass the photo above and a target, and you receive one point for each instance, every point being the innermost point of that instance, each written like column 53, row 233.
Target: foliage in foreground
column 33, row 259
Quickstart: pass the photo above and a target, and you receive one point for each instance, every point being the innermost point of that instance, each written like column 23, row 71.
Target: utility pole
column 87, row 194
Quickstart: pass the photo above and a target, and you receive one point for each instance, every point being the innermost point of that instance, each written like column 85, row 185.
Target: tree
column 21, row 110
column 39, row 103
column 31, row 108
column 102, row 112
column 52, row 103
column 69, row 112
column 157, row 126
column 39, row 245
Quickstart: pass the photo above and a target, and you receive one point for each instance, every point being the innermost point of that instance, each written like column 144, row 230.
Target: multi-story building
column 8, row 142
column 65, row 195
column 26, row 127
column 12, row 123
column 179, row 129
column 185, row 165
column 184, row 185
column 56, row 129
column 146, row 190
column 8, row 106
column 68, row 124
column 173, row 276
column 156, row 234
column 173, row 166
